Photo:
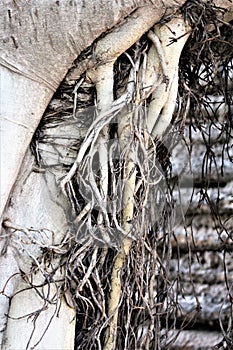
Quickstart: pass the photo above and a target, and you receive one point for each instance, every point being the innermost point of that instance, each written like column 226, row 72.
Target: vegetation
column 106, row 141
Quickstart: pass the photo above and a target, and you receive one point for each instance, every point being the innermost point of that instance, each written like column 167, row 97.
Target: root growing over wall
column 115, row 258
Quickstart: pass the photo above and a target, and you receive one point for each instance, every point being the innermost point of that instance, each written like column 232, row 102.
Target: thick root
column 156, row 76
column 168, row 53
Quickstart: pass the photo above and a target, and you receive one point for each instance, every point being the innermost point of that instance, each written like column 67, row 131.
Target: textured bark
column 36, row 202
column 58, row 318
column 51, row 34
column 23, row 101
column 39, row 43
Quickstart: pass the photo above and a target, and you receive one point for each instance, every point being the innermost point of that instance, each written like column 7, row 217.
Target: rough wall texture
column 206, row 264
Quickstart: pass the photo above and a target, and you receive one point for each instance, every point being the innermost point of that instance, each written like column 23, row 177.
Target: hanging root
column 116, row 277
column 119, row 40
column 115, row 258
column 153, row 77
column 163, row 99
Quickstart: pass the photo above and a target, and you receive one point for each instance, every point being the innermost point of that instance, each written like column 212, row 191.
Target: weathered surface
column 55, row 32
column 39, row 42
column 37, row 202
column 38, row 46
column 197, row 340
column 205, row 248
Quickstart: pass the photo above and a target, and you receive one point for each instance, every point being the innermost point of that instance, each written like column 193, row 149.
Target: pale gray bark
column 39, row 42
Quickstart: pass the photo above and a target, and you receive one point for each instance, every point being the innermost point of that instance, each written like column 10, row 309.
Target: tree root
column 118, row 41
column 155, row 75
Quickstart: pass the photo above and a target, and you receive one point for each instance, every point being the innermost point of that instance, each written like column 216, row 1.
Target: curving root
column 153, row 74
column 164, row 97
column 162, row 80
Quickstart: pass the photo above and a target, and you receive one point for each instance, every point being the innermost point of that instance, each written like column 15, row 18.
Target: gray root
column 158, row 76
column 118, row 41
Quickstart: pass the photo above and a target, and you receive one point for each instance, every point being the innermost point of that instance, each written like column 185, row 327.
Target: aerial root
column 164, row 97
column 155, row 75
column 118, row 41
